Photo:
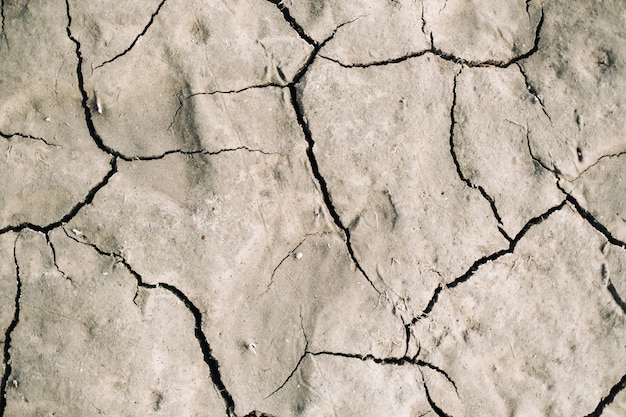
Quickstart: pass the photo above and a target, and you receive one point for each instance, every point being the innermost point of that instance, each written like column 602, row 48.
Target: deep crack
column 593, row 221
column 205, row 347
column 432, row 404
column 7, row 336
column 293, row 23
column 604, row 402
column 143, row 32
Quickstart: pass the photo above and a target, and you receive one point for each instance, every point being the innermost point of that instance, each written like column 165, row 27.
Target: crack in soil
column 24, row 136
column 432, row 404
column 73, row 212
column 402, row 361
column 143, row 32
column 182, row 100
column 532, row 90
column 605, row 401
column 459, row 171
column 205, row 347
column 450, row 57
column 293, row 23
column 7, row 336
column 487, row 259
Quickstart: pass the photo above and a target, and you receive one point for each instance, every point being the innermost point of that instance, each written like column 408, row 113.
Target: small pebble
column 299, row 255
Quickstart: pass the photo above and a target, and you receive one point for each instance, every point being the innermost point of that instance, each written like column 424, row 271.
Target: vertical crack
column 432, row 404
column 207, row 352
column 616, row 297
column 81, row 86
column 308, row 136
column 532, row 90
column 143, row 32
column 322, row 182
column 604, row 402
column 54, row 254
column 459, row 171
column 7, row 336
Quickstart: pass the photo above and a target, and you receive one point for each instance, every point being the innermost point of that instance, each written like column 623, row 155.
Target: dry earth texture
column 313, row 208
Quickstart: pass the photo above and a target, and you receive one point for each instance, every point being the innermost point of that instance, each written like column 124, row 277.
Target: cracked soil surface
column 313, row 208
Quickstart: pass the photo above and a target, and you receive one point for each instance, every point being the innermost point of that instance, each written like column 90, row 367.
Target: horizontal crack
column 7, row 335
column 24, row 136
column 143, row 32
column 210, row 93
column 205, row 347
column 491, row 63
column 450, row 57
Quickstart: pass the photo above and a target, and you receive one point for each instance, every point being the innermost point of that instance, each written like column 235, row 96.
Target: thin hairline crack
column 134, row 42
column 393, row 361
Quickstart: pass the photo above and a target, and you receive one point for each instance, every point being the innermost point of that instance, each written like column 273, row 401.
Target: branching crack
column 24, row 136
column 368, row 358
column 143, row 32
column 451, row 57
column 487, row 259
column 604, row 402
column 207, row 352
column 459, row 171
column 299, row 110
column 73, row 212
column 7, row 335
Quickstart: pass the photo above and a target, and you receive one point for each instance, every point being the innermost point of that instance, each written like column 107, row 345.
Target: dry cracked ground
column 313, row 208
